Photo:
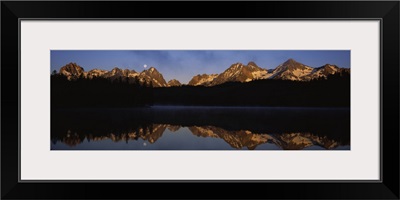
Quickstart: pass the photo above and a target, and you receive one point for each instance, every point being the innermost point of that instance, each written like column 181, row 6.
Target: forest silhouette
column 333, row 91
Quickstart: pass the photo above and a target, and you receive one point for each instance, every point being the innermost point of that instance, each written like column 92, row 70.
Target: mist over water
column 201, row 128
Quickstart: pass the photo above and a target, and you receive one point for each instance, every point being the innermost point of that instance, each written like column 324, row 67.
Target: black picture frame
column 386, row 11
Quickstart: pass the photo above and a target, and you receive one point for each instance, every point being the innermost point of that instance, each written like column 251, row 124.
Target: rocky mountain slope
column 241, row 73
column 150, row 76
column 153, row 77
column 289, row 70
column 238, row 72
column 293, row 70
column 174, row 82
column 203, row 79
column 72, row 71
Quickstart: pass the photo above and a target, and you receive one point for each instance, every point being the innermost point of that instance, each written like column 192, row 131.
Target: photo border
column 211, row 180
column 13, row 12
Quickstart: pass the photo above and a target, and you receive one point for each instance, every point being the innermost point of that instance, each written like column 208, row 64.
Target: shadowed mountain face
column 326, row 70
column 293, row 70
column 204, row 79
column 174, row 82
column 72, row 71
column 241, row 73
column 235, row 73
column 153, row 77
column 200, row 128
column 117, row 73
column 94, row 73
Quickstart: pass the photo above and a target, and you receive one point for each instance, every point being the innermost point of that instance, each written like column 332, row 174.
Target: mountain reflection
column 201, row 129
column 236, row 139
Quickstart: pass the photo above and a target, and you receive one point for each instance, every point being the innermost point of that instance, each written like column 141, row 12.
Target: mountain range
column 238, row 72
column 149, row 76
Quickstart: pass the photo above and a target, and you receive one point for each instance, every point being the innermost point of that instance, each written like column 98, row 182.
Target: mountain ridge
column 149, row 76
column 237, row 72
column 288, row 70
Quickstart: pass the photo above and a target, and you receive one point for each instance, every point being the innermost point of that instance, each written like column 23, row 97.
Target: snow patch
column 261, row 74
column 208, row 79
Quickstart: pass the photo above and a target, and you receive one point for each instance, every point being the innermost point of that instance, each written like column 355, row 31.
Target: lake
column 200, row 128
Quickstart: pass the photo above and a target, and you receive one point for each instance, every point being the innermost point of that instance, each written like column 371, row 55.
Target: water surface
column 201, row 128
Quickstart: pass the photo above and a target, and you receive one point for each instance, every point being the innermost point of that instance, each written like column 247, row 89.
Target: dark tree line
column 98, row 92
column 128, row 92
column 331, row 92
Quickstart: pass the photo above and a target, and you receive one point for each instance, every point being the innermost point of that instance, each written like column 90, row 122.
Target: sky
column 184, row 64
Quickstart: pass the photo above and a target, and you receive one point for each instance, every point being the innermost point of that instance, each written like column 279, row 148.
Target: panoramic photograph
column 200, row 100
